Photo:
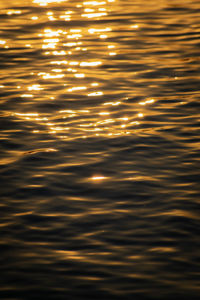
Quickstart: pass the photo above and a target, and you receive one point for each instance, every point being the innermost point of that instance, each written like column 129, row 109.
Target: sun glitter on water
column 98, row 178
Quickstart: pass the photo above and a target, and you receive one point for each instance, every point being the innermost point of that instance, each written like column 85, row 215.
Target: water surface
column 99, row 149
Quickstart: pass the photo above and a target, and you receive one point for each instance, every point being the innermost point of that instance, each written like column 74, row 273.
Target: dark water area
column 99, row 148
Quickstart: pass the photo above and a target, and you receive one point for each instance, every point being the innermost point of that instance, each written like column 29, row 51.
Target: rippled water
column 99, row 149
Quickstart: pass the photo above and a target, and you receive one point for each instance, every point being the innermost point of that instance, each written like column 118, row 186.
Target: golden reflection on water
column 47, row 2
column 71, row 62
column 70, row 59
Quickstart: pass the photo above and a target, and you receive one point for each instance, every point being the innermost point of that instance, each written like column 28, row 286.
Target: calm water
column 100, row 149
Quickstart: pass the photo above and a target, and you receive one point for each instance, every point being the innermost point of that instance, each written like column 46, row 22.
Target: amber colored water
column 100, row 119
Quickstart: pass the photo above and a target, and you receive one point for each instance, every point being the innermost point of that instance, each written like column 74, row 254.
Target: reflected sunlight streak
column 75, row 75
